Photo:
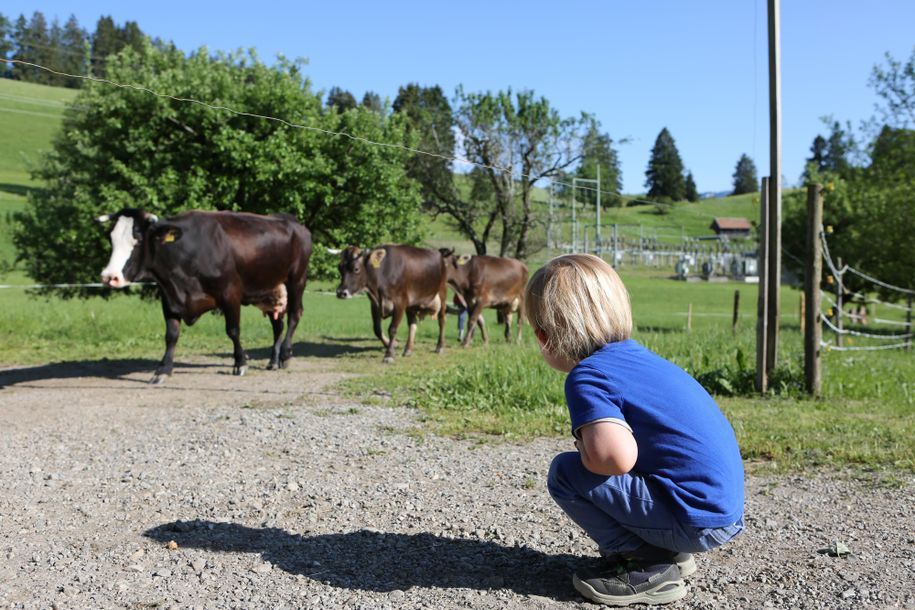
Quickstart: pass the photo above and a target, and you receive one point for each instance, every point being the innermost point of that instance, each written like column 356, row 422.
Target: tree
column 745, row 180
column 466, row 201
column 123, row 147
column 33, row 45
column 340, row 99
column 692, row 193
column 105, row 42
column 598, row 151
column 664, row 176
column 74, row 56
column 517, row 140
column 372, row 101
column 6, row 44
column 895, row 84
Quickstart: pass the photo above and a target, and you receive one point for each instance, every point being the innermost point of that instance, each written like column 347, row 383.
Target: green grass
column 863, row 421
column 30, row 115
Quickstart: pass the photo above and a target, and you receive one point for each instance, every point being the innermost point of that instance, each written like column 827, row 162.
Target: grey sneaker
column 621, row 583
column 652, row 554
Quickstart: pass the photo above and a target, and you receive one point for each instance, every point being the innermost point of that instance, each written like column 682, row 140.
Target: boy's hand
column 607, row 448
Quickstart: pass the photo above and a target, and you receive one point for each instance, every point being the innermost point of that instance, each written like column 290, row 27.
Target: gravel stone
column 280, row 493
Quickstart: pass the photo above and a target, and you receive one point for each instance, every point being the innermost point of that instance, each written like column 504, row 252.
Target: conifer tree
column 692, row 193
column 6, row 44
column 745, row 180
column 664, row 176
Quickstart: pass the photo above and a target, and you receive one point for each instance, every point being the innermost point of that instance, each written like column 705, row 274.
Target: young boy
column 658, row 474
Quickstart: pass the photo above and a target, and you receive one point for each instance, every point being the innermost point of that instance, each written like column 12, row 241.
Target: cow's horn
column 334, row 251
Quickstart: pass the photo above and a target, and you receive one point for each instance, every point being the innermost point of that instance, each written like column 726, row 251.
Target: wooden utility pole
column 813, row 269
column 762, row 302
column 774, row 233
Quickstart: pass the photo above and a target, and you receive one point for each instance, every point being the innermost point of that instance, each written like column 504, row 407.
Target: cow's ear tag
column 169, row 236
column 463, row 259
column 376, row 257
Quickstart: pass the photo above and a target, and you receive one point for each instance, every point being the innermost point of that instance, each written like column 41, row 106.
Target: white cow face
column 126, row 237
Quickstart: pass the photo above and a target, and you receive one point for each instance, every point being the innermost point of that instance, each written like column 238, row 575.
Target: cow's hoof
column 407, row 354
column 272, row 366
column 388, row 360
column 239, row 370
column 439, row 350
column 284, row 364
column 159, row 378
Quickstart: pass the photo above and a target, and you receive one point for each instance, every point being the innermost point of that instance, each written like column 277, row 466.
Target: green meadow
column 864, row 420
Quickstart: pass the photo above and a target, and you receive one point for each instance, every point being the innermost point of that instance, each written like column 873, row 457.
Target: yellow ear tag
column 376, row 257
column 463, row 260
column 168, row 237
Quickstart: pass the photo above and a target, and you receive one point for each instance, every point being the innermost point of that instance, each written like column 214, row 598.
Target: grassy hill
column 30, row 115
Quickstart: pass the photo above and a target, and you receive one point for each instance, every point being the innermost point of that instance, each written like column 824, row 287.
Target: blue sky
column 698, row 68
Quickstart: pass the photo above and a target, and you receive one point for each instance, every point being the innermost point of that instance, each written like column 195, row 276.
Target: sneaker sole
column 687, row 567
column 669, row 592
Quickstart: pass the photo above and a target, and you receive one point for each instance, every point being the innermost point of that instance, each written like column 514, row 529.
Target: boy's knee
column 561, row 473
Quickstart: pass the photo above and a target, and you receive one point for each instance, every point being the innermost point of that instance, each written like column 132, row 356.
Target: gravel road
column 273, row 491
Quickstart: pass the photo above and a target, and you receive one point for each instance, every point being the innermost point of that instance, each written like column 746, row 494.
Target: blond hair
column 580, row 304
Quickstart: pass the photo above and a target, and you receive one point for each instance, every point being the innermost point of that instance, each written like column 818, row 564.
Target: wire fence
column 862, row 319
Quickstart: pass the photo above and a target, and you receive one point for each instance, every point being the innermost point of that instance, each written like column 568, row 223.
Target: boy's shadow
column 383, row 562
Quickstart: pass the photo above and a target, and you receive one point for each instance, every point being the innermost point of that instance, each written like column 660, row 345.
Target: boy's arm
column 607, row 448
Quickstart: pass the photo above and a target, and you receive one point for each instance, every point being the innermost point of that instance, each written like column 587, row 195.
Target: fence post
column 689, row 318
column 813, row 269
column 736, row 311
column 908, row 326
column 839, row 304
column 762, row 314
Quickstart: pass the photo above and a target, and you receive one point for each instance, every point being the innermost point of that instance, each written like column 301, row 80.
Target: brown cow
column 214, row 260
column 398, row 279
column 487, row 281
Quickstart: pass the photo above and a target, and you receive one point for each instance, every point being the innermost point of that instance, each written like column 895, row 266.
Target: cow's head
column 128, row 228
column 456, row 267
column 355, row 266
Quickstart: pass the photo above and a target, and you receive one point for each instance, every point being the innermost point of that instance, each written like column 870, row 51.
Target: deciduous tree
column 122, row 147
column 517, row 140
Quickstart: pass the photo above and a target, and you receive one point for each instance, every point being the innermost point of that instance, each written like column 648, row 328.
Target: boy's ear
column 541, row 336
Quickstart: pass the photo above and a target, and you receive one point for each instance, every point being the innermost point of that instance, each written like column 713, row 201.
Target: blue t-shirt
column 687, row 448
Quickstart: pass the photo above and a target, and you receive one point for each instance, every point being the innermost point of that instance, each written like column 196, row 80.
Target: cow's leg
column 232, row 313
column 520, row 324
column 277, row 343
column 294, row 315
column 411, row 334
column 172, row 330
column 376, row 324
column 392, row 332
column 475, row 316
column 440, row 346
column 508, row 325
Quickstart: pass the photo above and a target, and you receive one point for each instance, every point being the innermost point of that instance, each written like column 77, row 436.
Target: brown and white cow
column 487, row 281
column 399, row 280
column 214, row 260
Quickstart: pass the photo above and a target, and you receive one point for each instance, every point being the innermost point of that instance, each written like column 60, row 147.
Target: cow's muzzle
column 343, row 293
column 115, row 280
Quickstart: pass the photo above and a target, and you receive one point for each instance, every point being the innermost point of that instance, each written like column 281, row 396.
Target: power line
column 286, row 122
